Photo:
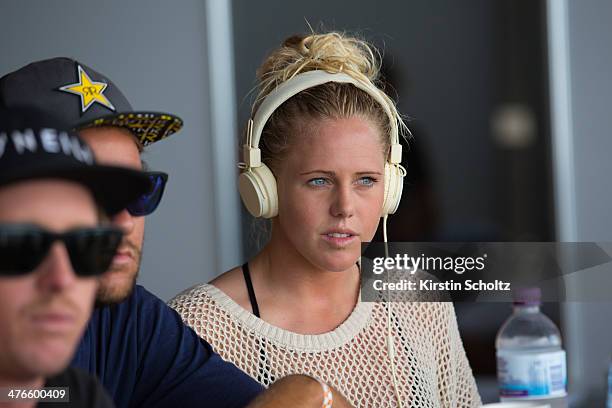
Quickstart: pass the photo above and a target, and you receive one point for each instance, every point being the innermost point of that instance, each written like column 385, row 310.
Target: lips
column 340, row 237
column 123, row 256
column 340, row 231
column 54, row 321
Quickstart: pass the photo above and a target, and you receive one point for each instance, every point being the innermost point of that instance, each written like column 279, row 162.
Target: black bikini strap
column 249, row 285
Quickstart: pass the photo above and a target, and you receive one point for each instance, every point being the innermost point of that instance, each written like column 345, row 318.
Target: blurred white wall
column 581, row 91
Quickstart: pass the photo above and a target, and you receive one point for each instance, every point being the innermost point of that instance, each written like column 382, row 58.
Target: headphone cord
column 390, row 344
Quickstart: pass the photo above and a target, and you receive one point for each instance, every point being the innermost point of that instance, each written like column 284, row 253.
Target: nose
column 124, row 220
column 343, row 202
column 56, row 270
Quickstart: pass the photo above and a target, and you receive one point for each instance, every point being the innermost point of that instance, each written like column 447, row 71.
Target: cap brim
column 148, row 127
column 113, row 187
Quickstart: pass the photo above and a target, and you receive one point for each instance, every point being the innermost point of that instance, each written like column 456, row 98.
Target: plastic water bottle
column 530, row 360
column 609, row 401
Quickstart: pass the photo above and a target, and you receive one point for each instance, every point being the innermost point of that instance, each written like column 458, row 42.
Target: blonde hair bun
column 332, row 52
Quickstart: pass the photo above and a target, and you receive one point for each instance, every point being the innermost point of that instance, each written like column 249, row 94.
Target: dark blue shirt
column 146, row 357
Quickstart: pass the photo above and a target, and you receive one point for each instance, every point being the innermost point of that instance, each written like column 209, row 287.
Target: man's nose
column 56, row 271
column 124, row 220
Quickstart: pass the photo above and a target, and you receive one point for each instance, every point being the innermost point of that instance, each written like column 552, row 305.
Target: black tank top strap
column 264, row 368
column 249, row 285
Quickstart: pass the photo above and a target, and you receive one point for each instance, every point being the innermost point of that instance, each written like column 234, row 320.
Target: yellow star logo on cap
column 90, row 91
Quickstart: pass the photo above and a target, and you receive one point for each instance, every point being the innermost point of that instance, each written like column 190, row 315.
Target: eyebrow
column 331, row 173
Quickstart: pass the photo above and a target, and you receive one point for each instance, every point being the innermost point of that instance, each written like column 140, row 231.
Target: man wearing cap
column 139, row 348
column 52, row 252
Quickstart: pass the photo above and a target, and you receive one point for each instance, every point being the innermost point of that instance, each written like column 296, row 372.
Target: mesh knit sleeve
column 198, row 312
column 458, row 386
column 224, row 333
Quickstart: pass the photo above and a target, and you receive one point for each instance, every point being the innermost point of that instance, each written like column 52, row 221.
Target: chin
column 338, row 262
column 341, row 259
column 47, row 359
column 115, row 287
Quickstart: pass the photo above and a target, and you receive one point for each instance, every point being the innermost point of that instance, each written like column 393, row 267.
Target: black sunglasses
column 148, row 202
column 24, row 246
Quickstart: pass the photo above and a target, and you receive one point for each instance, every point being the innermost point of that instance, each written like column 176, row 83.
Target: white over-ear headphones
column 257, row 184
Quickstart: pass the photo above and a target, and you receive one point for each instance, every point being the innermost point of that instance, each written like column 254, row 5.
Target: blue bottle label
column 531, row 375
column 609, row 401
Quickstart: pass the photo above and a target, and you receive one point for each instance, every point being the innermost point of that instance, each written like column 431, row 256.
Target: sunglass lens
column 92, row 250
column 147, row 203
column 21, row 250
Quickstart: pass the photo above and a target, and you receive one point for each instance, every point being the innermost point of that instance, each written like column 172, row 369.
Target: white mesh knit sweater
column 431, row 366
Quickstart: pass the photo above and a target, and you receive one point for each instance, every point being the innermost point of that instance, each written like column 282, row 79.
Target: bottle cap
column 530, row 296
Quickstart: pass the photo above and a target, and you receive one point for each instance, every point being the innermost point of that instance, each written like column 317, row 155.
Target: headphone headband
column 295, row 85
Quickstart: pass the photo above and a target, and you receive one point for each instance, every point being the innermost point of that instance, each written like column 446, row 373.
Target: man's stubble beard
column 110, row 295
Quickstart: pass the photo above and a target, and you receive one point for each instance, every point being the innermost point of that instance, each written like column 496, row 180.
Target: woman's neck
column 282, row 269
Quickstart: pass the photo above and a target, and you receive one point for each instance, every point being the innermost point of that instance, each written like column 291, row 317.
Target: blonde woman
column 321, row 160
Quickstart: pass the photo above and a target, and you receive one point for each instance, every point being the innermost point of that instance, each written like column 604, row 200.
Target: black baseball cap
column 83, row 98
column 35, row 145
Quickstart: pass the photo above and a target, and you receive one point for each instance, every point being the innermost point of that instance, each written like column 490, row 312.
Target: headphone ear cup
column 258, row 191
column 394, row 184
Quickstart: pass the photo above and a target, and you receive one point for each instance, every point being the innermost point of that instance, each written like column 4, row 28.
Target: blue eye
column 317, row 182
column 367, row 181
